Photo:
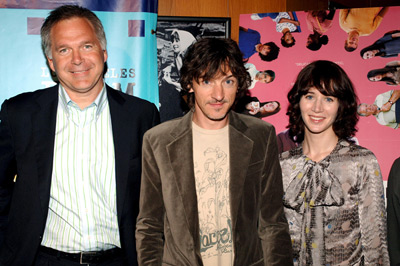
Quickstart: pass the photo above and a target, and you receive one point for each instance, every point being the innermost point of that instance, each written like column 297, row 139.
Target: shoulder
column 254, row 32
column 252, row 123
column 164, row 129
column 292, row 154
column 26, row 96
column 137, row 108
column 395, row 169
column 27, row 99
column 132, row 101
column 353, row 152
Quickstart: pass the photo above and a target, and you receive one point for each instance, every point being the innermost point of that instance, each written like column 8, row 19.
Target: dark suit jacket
column 27, row 133
column 168, row 204
column 393, row 213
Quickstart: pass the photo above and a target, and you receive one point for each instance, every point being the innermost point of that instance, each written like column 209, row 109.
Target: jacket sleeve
column 7, row 169
column 393, row 213
column 150, row 222
column 273, row 227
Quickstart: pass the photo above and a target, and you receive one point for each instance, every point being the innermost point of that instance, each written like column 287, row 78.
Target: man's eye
column 88, row 46
column 63, row 51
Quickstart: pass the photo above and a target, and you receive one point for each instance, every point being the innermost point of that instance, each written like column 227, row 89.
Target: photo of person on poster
column 251, row 44
column 252, row 106
column 286, row 23
column 390, row 74
column 319, row 22
column 387, row 46
column 385, row 109
column 359, row 22
column 266, row 76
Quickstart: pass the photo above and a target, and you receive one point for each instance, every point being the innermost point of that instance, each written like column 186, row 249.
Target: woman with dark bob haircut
column 210, row 58
column 330, row 80
column 333, row 189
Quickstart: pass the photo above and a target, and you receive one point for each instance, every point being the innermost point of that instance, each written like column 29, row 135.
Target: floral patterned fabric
column 335, row 208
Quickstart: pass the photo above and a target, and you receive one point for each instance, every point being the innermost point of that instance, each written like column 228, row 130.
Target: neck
column 318, row 146
column 84, row 99
column 377, row 110
column 355, row 32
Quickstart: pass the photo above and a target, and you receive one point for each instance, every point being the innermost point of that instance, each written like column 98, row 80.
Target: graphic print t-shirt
column 211, row 166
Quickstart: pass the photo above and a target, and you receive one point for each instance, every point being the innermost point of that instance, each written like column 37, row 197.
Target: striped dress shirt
column 82, row 209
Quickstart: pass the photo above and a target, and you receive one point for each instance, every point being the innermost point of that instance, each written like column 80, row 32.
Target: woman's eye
column 329, row 100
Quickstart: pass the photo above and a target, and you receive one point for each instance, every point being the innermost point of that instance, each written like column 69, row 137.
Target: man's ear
column 105, row 55
column 190, row 87
column 51, row 63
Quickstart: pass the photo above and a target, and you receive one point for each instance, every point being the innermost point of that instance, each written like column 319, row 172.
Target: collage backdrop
column 383, row 141
column 129, row 25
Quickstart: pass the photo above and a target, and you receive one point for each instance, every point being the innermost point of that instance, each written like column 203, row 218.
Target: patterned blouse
column 335, row 208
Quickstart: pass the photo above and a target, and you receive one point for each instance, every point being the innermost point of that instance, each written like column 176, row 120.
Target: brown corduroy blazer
column 167, row 231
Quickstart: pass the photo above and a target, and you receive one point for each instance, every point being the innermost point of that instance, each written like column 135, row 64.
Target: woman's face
column 288, row 37
column 176, row 44
column 270, row 107
column 264, row 77
column 318, row 112
column 370, row 54
column 377, row 77
column 265, row 49
column 309, row 40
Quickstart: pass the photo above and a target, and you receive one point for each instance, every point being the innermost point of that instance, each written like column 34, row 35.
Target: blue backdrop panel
column 131, row 46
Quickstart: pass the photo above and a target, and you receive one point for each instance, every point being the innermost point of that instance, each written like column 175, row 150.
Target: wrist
column 391, row 103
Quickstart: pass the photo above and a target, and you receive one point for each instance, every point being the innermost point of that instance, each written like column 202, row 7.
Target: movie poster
column 297, row 38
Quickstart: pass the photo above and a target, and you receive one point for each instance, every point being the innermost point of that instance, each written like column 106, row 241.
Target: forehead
column 217, row 76
column 72, row 27
column 213, row 71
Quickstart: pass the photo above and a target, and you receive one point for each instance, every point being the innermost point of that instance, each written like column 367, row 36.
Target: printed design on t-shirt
column 213, row 198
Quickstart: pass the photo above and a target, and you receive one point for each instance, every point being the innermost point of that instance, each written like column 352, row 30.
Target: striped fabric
column 82, row 209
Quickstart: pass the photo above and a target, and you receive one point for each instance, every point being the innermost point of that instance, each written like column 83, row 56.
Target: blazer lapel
column 121, row 135
column 181, row 159
column 240, row 150
column 44, row 126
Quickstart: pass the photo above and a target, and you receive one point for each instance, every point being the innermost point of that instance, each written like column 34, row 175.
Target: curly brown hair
column 210, row 57
column 330, row 80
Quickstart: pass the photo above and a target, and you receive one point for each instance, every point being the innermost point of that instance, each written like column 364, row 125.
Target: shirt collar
column 66, row 101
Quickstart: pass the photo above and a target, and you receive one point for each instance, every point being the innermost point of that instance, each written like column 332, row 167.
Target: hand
column 386, row 107
column 253, row 107
column 167, row 77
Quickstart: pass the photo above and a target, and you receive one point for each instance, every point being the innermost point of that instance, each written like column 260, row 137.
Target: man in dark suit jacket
column 393, row 213
column 70, row 156
column 211, row 190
